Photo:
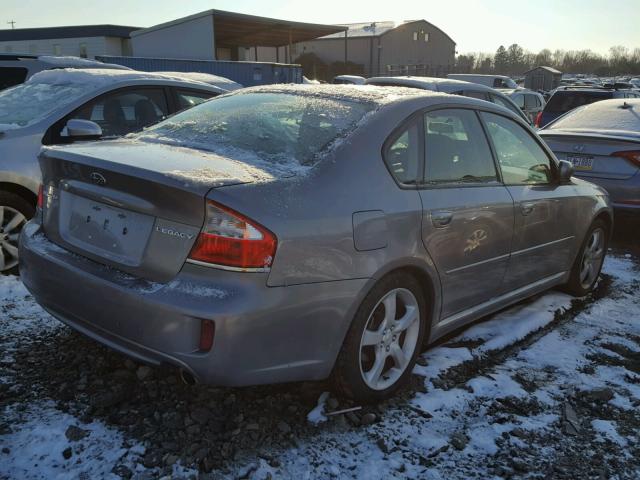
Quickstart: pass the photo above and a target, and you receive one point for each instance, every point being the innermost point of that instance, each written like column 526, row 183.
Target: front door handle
column 441, row 218
column 527, row 208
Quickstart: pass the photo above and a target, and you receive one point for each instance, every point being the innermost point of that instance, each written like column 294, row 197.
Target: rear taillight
column 40, row 196
column 632, row 156
column 538, row 120
column 229, row 239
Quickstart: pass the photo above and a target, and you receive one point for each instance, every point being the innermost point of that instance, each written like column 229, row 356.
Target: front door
column 467, row 223
column 545, row 211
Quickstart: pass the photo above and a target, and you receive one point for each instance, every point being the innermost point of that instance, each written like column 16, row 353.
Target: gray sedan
column 602, row 140
column 292, row 233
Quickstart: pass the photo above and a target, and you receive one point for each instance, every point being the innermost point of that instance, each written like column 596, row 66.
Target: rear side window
column 475, row 94
column 498, row 100
column 191, row 98
column 123, row 112
column 522, row 160
column 10, row 76
column 402, row 156
column 456, row 148
column 531, row 101
column 519, row 100
column 563, row 101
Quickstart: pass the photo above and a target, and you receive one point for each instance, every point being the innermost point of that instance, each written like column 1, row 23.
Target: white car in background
column 530, row 102
column 348, row 80
column 16, row 69
column 62, row 106
column 493, row 81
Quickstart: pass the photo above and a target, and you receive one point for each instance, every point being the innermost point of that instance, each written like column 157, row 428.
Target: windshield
column 30, row 102
column 279, row 128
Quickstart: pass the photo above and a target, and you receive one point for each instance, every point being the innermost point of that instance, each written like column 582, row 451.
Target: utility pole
column 13, row 24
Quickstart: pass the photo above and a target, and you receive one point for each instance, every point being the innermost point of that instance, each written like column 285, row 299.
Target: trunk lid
column 135, row 206
column 591, row 153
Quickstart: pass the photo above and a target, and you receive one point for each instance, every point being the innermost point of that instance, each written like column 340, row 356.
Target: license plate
column 103, row 229
column 581, row 162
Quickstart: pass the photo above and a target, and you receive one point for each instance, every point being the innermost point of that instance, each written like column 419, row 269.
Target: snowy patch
column 608, row 430
column 316, row 415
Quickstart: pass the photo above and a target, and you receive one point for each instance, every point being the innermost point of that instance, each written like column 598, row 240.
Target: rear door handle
column 527, row 208
column 441, row 218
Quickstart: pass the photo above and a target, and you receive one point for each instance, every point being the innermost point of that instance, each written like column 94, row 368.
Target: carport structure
column 218, row 34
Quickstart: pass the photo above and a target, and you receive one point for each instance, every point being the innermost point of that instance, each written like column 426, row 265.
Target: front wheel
column 15, row 211
column 588, row 264
column 382, row 344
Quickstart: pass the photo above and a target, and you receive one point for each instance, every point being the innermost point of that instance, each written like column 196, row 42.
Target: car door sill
column 490, row 306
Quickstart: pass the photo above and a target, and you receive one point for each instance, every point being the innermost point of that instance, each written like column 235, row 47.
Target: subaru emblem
column 98, row 178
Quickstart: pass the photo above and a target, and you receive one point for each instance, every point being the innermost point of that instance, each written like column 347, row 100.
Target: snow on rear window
column 28, row 103
column 288, row 130
column 617, row 115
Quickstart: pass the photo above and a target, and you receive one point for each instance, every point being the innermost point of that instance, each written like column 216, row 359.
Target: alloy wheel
column 592, row 258
column 11, row 223
column 389, row 339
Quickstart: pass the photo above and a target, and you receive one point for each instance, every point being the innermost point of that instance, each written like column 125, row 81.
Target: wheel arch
column 19, row 190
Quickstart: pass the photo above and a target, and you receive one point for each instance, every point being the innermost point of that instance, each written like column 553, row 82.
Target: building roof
column 548, row 69
column 232, row 28
column 377, row 29
column 66, row 32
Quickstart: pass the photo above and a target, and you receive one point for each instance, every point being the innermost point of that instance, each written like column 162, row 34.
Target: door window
column 125, row 111
column 191, row 98
column 498, row 100
column 475, row 94
column 521, row 158
column 402, row 157
column 531, row 101
column 518, row 99
column 10, row 76
column 456, row 148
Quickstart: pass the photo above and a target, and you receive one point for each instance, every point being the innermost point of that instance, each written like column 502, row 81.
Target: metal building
column 220, row 35
column 84, row 41
column 542, row 78
column 383, row 48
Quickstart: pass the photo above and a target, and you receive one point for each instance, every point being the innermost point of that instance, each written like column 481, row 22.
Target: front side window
column 190, row 98
column 522, row 160
column 402, row 157
column 119, row 113
column 456, row 148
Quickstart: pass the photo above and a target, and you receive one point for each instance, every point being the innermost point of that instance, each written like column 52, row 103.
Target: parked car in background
column 530, row 102
column 493, row 81
column 208, row 78
column 241, row 242
column 602, row 140
column 60, row 106
column 348, row 80
column 565, row 99
column 16, row 69
column 453, row 87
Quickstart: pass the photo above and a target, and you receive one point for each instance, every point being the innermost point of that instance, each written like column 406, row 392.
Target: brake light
column 632, row 156
column 40, row 196
column 538, row 119
column 230, row 239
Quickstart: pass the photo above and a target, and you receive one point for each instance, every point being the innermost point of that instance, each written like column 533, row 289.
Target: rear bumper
column 619, row 191
column 262, row 334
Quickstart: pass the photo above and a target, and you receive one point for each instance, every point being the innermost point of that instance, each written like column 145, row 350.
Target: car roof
column 207, row 78
column 429, row 83
column 101, row 78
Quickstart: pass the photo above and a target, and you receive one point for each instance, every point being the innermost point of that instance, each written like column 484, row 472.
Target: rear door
column 545, row 211
column 467, row 223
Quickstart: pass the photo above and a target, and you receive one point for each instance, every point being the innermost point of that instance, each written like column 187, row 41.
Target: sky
column 475, row 25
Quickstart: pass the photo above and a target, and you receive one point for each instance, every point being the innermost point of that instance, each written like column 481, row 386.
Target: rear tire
column 383, row 341
column 15, row 211
column 588, row 264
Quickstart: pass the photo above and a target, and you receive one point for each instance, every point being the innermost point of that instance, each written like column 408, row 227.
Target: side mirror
column 77, row 129
column 566, row 171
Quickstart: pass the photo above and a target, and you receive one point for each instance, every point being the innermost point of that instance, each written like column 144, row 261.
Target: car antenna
column 625, row 106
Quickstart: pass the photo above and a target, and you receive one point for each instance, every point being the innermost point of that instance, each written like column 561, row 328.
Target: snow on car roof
column 207, row 78
column 423, row 82
column 620, row 116
column 356, row 93
column 77, row 62
column 98, row 77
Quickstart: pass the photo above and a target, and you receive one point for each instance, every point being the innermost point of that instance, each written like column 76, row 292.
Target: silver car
column 292, row 233
column 454, row 87
column 59, row 106
column 602, row 141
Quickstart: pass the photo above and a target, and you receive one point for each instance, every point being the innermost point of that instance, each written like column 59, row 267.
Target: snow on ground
column 549, row 388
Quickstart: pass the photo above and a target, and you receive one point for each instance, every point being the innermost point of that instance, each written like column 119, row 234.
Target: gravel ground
column 549, row 388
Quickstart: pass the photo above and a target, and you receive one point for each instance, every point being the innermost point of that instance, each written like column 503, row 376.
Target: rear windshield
column 28, row 103
column 10, row 76
column 279, row 128
column 561, row 102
